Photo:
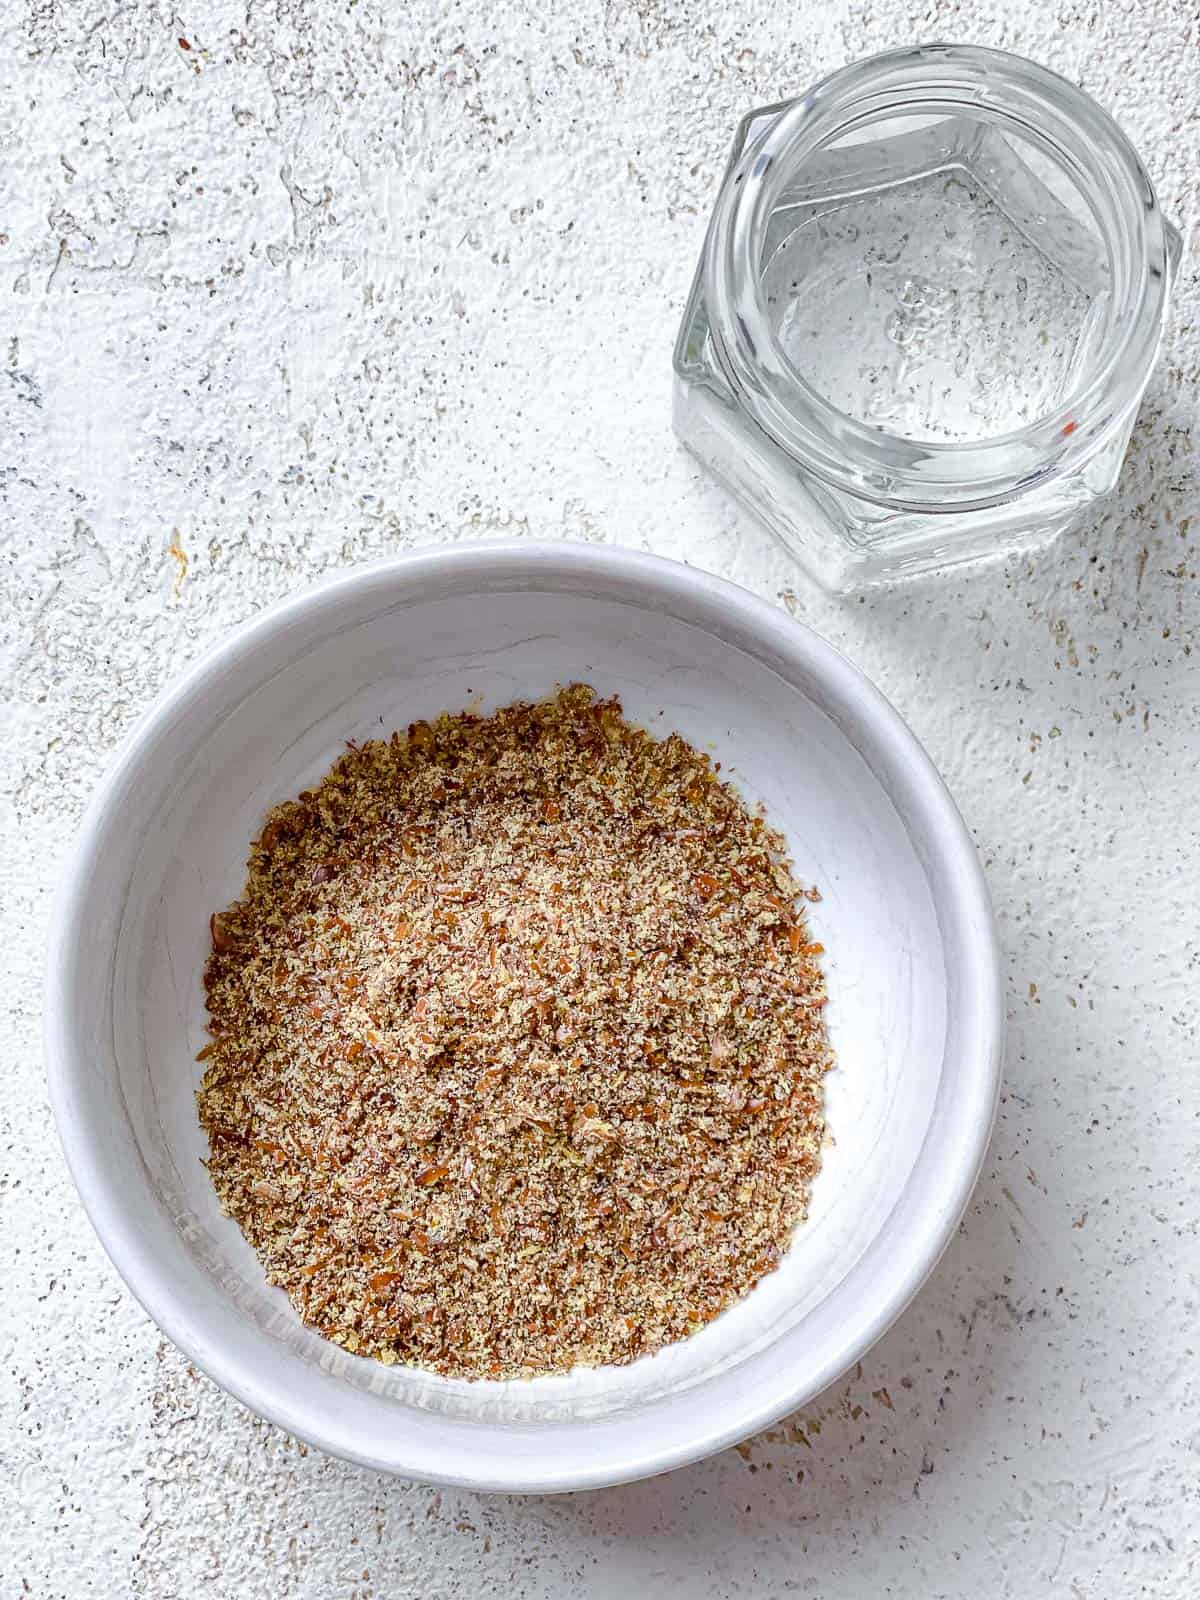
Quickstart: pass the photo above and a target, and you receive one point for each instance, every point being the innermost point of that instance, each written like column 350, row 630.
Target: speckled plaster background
column 288, row 286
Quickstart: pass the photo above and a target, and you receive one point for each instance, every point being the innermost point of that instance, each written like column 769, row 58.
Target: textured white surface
column 337, row 279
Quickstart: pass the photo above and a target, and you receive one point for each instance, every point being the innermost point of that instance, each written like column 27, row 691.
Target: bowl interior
column 263, row 720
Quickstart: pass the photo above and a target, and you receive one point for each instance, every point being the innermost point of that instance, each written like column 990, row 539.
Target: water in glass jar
column 931, row 282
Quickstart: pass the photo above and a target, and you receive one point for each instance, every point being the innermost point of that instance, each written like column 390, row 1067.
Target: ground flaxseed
column 517, row 1044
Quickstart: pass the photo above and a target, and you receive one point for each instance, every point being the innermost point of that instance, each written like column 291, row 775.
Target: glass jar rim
column 889, row 469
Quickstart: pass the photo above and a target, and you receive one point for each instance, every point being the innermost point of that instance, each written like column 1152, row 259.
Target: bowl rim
column 977, row 1080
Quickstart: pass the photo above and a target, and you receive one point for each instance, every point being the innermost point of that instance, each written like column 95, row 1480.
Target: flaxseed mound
column 517, row 1044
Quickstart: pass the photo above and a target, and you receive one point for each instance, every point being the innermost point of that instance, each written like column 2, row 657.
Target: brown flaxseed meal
column 517, row 1044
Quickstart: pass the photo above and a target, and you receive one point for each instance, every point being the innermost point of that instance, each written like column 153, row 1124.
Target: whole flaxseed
column 517, row 1044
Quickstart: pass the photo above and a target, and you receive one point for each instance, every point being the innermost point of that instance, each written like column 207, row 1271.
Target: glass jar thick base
column 845, row 544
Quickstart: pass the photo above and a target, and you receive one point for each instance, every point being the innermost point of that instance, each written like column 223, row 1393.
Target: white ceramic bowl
column 915, row 1007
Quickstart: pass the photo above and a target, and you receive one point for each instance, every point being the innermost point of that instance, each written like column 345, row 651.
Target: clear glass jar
column 930, row 297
